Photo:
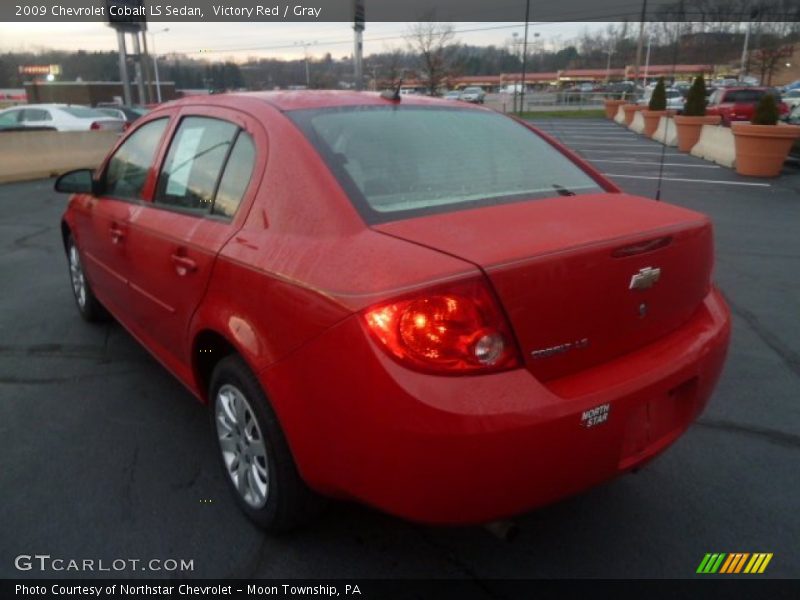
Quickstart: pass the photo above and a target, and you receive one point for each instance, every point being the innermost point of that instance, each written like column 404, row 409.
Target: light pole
column 610, row 53
column 305, row 46
column 647, row 60
column 742, row 68
column 524, row 57
column 155, row 61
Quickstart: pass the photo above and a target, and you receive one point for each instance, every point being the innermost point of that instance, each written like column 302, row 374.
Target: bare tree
column 393, row 67
column 433, row 44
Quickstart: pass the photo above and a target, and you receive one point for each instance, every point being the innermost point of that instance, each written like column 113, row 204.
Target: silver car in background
column 473, row 94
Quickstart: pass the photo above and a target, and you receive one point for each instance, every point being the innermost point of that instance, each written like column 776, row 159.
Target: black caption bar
column 400, row 10
column 406, row 589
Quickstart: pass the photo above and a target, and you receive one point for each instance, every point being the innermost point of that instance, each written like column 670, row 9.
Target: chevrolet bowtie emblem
column 645, row 278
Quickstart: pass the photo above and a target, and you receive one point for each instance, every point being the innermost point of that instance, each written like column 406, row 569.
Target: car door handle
column 117, row 234
column 183, row 264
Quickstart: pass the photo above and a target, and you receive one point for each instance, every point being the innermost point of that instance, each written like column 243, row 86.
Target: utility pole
column 155, row 62
column 524, row 56
column 640, row 44
column 123, row 68
column 145, row 60
column 359, row 19
column 137, row 65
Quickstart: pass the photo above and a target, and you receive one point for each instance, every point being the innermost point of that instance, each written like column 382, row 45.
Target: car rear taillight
column 95, row 126
column 458, row 329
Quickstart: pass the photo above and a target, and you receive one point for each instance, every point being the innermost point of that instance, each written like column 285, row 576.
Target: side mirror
column 80, row 181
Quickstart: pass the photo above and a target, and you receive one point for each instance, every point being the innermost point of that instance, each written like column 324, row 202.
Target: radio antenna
column 664, row 141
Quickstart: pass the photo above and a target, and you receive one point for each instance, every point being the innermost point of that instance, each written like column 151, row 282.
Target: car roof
column 309, row 99
column 757, row 88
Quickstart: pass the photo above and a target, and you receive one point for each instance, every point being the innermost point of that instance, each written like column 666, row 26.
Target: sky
column 240, row 41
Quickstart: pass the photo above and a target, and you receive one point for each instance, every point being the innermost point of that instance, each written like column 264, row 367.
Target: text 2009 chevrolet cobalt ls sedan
column 432, row 309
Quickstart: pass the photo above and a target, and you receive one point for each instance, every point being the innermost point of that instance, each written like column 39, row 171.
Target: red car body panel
column 286, row 282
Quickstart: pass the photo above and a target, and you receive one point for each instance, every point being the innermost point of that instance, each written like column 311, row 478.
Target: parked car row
column 69, row 117
column 473, row 94
column 732, row 103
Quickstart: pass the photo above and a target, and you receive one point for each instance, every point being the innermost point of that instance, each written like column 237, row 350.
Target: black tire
column 88, row 305
column 288, row 502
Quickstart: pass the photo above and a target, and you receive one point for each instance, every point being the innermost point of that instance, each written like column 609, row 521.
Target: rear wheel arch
column 66, row 232
column 209, row 347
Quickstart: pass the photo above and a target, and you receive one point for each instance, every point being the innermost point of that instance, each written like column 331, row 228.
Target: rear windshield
column 397, row 162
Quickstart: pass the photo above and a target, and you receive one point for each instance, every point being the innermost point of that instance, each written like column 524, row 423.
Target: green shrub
column 766, row 111
column 696, row 100
column 658, row 101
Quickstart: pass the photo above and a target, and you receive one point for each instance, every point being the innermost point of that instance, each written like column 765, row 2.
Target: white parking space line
column 714, row 181
column 584, row 133
column 666, row 164
column 622, row 151
column 608, row 145
column 578, row 140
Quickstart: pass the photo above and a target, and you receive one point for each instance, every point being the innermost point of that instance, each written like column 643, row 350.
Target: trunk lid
column 576, row 275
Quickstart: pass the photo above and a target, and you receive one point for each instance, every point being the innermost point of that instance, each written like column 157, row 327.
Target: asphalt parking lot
column 106, row 456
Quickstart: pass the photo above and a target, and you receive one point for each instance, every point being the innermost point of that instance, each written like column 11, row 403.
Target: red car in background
column 425, row 306
column 739, row 103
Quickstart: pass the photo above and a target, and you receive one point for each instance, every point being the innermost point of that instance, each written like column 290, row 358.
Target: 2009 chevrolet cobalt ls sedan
column 429, row 308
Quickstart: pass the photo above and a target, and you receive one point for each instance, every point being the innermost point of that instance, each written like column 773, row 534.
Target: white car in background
column 61, row 117
column 675, row 99
column 791, row 98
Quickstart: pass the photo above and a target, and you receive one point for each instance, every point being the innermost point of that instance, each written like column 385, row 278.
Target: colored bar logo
column 734, row 563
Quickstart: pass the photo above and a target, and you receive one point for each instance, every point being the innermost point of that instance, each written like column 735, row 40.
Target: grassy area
column 564, row 114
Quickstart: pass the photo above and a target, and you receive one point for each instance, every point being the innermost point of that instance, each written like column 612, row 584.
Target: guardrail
column 554, row 100
column 34, row 154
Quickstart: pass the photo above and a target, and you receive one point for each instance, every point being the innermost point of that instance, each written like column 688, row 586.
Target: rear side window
column 236, row 177
column 35, row 114
column 128, row 168
column 82, row 112
column 189, row 177
column 398, row 162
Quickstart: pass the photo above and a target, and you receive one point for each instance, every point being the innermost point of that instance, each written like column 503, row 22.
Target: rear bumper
column 471, row 449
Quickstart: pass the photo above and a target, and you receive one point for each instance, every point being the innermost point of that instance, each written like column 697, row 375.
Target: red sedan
column 739, row 103
column 427, row 307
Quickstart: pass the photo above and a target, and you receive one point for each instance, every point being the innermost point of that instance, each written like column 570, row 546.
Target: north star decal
column 595, row 416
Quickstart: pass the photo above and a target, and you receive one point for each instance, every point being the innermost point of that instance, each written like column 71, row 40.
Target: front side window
column 128, row 168
column 398, row 162
column 189, row 177
column 10, row 118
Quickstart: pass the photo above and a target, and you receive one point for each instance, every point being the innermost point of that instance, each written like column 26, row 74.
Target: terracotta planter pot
column 611, row 107
column 689, row 128
column 651, row 118
column 630, row 110
column 762, row 149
